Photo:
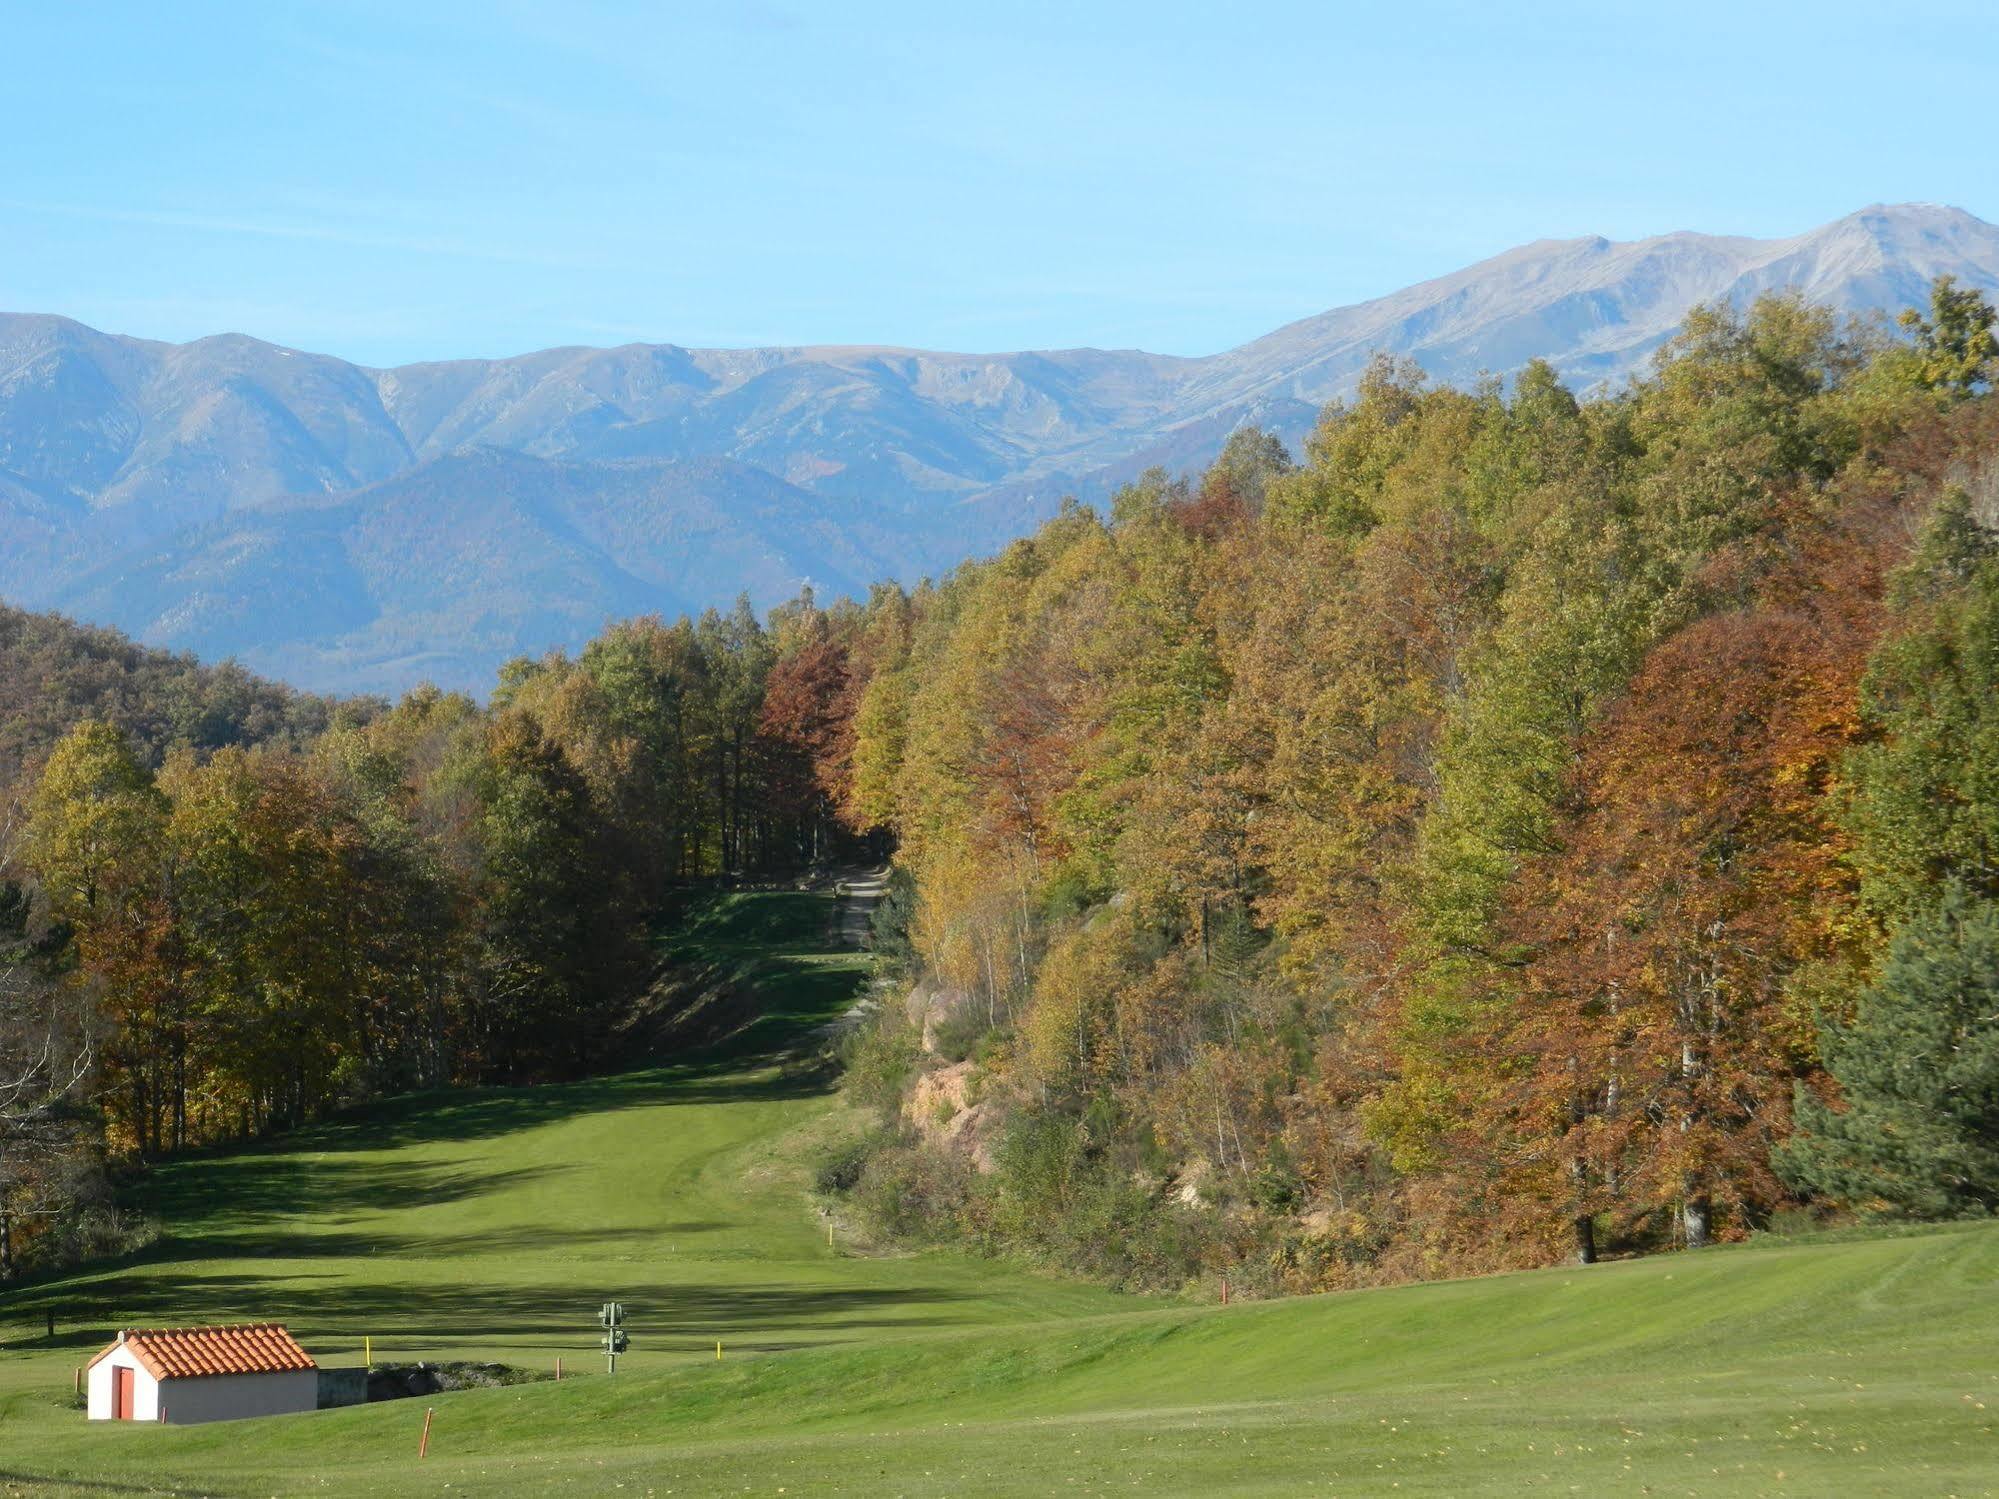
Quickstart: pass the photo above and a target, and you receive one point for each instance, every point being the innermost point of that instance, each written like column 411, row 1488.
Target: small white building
column 191, row 1374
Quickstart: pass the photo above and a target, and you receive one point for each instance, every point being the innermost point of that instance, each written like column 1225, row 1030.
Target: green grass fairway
column 491, row 1224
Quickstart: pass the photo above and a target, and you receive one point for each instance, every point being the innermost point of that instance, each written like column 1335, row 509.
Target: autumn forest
column 1520, row 827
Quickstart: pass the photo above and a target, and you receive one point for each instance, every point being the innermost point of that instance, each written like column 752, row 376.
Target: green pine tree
column 1919, row 1067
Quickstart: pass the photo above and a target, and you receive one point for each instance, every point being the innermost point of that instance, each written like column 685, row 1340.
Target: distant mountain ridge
column 347, row 527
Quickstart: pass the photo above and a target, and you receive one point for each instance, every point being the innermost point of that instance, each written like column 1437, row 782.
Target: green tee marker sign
column 612, row 1318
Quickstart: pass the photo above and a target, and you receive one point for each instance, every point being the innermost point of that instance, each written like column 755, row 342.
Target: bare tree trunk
column 180, row 1088
column 1584, row 1222
column 1020, row 932
column 1696, row 1219
column 1585, row 1232
column 992, row 979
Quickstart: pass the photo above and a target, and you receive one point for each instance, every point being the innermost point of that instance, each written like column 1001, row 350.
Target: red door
column 121, row 1394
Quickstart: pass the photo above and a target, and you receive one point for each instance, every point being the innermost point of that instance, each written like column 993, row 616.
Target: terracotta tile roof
column 188, row 1352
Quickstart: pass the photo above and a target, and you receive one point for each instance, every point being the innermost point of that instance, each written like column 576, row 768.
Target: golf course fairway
column 491, row 1224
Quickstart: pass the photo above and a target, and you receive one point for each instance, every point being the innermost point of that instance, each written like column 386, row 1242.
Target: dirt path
column 860, row 891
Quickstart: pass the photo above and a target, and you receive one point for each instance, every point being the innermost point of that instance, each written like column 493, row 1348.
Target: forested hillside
column 227, row 908
column 1524, row 827
column 55, row 673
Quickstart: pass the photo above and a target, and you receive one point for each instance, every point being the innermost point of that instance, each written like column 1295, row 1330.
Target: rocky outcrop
column 945, row 1109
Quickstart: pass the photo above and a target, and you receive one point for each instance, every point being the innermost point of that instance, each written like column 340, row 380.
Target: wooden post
column 1225, row 1290
column 558, row 1368
column 79, row 1379
column 423, row 1444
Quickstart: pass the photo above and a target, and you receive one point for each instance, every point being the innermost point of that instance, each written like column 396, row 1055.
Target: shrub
column 880, row 1059
column 840, row 1164
column 959, row 1034
column 910, row 1191
column 1061, row 1195
column 888, row 928
column 1275, row 1186
column 97, row 1231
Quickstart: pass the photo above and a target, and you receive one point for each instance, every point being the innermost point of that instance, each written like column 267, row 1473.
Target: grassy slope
column 491, row 1224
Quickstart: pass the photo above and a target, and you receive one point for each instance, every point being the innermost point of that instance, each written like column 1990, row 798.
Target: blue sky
column 402, row 181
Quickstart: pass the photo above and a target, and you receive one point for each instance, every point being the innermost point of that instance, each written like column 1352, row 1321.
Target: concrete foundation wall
column 339, row 1387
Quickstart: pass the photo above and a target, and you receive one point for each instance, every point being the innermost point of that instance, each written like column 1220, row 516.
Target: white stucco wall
column 209, row 1397
column 145, row 1391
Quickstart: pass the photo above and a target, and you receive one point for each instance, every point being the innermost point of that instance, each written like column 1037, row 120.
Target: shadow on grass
column 664, row 1316
column 264, row 1198
column 43, row 1483
column 310, row 1171
column 712, row 925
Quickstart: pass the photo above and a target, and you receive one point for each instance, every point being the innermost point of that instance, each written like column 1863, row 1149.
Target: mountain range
column 349, row 528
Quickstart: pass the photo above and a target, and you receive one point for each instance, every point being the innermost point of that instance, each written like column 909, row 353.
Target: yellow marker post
column 368, row 1351
column 718, row 1348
